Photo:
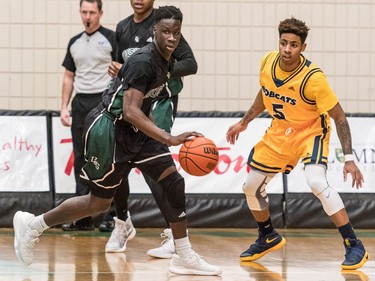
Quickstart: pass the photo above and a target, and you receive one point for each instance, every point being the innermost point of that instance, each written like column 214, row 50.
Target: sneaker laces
column 193, row 259
column 121, row 231
column 350, row 243
column 167, row 238
column 347, row 243
column 353, row 250
column 33, row 237
column 255, row 245
column 259, row 243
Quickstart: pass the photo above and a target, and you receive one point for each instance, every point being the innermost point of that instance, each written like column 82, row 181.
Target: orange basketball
column 198, row 156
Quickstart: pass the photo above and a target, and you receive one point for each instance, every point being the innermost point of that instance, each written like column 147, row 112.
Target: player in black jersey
column 132, row 33
column 119, row 133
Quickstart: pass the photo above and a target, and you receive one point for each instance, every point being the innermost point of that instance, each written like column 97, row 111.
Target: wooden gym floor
column 310, row 254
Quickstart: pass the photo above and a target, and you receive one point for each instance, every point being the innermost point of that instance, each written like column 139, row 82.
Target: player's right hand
column 234, row 132
column 65, row 117
column 114, row 68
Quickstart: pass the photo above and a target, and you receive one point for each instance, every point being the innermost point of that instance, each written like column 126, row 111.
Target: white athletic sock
column 38, row 224
column 183, row 247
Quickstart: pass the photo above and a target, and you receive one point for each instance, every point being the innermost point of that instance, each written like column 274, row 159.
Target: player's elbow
column 194, row 67
column 129, row 114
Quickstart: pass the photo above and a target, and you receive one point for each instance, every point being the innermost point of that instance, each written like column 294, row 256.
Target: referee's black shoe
column 107, row 225
column 84, row 224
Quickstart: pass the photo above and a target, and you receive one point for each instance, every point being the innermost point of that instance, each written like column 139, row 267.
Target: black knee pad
column 174, row 197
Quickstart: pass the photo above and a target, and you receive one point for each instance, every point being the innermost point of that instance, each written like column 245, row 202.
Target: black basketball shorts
column 112, row 147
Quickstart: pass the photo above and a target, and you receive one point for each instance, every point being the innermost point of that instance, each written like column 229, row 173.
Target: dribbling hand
column 181, row 138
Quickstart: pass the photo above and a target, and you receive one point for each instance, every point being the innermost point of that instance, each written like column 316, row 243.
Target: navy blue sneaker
column 262, row 246
column 355, row 256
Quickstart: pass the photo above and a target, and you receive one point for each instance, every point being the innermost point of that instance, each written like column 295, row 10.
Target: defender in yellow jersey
column 295, row 92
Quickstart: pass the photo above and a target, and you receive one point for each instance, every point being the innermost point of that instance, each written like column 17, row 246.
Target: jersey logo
column 277, row 96
column 153, row 93
column 149, row 39
column 94, row 160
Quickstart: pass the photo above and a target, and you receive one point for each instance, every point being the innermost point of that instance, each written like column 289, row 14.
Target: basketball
column 198, row 156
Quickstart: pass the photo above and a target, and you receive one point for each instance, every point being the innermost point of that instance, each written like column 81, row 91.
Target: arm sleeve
column 118, row 56
column 68, row 62
column 112, row 40
column 185, row 63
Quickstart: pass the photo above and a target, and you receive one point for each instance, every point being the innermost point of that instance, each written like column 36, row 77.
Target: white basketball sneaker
column 121, row 234
column 24, row 237
column 167, row 249
column 192, row 265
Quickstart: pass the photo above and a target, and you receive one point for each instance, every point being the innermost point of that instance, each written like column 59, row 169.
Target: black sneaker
column 262, row 246
column 355, row 256
column 107, row 225
column 84, row 224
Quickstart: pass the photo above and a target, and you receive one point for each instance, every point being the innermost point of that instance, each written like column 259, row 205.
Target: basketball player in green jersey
column 295, row 92
column 118, row 134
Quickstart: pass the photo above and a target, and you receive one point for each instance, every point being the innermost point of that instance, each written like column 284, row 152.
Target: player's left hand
column 357, row 177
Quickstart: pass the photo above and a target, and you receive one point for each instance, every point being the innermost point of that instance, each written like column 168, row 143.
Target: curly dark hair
column 168, row 12
column 294, row 26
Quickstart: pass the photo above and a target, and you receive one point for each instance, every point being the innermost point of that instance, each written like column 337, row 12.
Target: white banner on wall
column 23, row 154
column 363, row 138
column 228, row 176
column 63, row 159
column 231, row 171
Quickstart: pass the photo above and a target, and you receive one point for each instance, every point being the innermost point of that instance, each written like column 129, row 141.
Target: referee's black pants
column 82, row 104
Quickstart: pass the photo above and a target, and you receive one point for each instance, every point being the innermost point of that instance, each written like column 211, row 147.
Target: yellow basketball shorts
column 282, row 147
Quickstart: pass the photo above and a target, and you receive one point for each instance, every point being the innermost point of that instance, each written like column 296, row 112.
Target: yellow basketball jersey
column 297, row 97
column 298, row 101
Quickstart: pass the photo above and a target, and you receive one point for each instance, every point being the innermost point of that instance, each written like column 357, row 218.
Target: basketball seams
column 196, row 167
column 199, row 155
column 200, row 144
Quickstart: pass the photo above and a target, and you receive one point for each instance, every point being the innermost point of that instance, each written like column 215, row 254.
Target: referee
column 86, row 63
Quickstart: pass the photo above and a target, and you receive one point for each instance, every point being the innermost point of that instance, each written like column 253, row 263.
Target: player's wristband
column 349, row 157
